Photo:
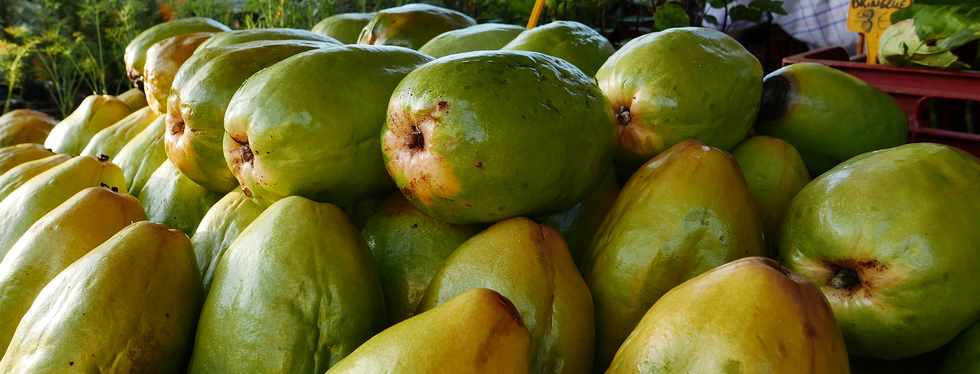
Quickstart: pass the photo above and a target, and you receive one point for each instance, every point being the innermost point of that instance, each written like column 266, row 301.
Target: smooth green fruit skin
column 308, row 141
column 963, row 353
column 173, row 200
column 411, row 25
column 344, row 27
column 313, row 294
column 828, row 115
column 44, row 192
column 20, row 174
column 110, row 140
column 95, row 113
column 409, row 248
column 903, row 222
column 128, row 306
column 220, row 226
column 748, row 316
column 483, row 37
column 528, row 264
column 55, row 241
column 579, row 224
column 14, row 155
column 24, row 126
column 196, row 109
column 135, row 54
column 679, row 84
column 142, row 155
column 229, row 38
column 474, row 161
column 569, row 40
column 774, row 173
column 682, row 213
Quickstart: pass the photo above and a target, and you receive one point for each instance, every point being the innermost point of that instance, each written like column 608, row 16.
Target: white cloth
column 819, row 23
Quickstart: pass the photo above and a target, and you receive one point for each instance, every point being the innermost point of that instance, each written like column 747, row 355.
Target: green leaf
column 744, row 13
column 711, row 19
column 719, row 4
column 771, row 6
column 670, row 15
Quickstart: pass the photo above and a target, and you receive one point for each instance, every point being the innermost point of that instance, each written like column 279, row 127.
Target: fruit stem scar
column 845, row 278
column 623, row 115
column 178, row 125
column 415, row 140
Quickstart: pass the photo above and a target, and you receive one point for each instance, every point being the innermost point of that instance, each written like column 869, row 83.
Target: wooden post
column 535, row 14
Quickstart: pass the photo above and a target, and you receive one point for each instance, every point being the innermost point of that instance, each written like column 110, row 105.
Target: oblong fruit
column 578, row 225
column 344, row 27
column 774, row 173
column 134, row 98
column 962, row 354
column 141, row 156
column 173, row 200
column 163, row 59
column 22, row 173
column 11, row 156
column 411, row 25
column 229, row 38
column 221, row 225
column 135, row 54
column 110, row 140
column 569, row 40
column 483, row 37
column 24, row 126
column 95, row 113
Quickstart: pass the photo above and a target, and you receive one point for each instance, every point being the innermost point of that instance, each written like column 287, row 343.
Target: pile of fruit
column 436, row 196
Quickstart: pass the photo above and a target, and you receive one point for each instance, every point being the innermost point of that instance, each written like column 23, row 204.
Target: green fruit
column 236, row 37
column 14, row 155
column 24, row 126
column 485, row 37
column 477, row 332
column 196, row 109
column 344, row 27
column 460, row 158
column 569, row 40
column 681, row 214
column 128, row 306
column 22, row 173
column 828, row 115
column 890, row 237
column 411, row 25
column 135, row 55
column 578, row 224
column 163, row 60
column 703, row 85
column 44, row 192
column 528, row 264
column 219, row 228
column 110, row 140
column 313, row 294
column 307, row 141
column 774, row 173
column 134, row 98
column 140, row 157
column 409, row 248
column 748, row 316
column 963, row 353
column 95, row 113
column 55, row 241
column 173, row 200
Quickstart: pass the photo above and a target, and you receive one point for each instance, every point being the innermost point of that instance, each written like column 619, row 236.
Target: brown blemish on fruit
column 421, row 172
column 176, row 124
column 851, row 277
column 478, row 164
column 247, row 192
column 103, row 157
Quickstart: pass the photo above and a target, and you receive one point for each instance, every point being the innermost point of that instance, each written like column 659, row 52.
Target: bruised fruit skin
column 110, row 140
column 313, row 294
column 135, row 55
column 44, row 192
column 483, row 37
column 141, row 156
column 20, row 174
column 95, row 113
column 828, row 115
column 704, row 85
column 321, row 144
column 411, row 25
column 682, row 213
column 748, row 316
column 230, row 38
column 14, row 155
column 128, row 306
column 219, row 228
column 478, row 331
column 409, row 248
column 134, row 98
column 775, row 173
column 890, row 237
column 24, row 126
column 196, row 109
column 530, row 265
column 963, row 353
column 173, row 200
column 579, row 224
column 461, row 159
column 55, row 241
column 163, row 59
column 344, row 27
column 569, row 40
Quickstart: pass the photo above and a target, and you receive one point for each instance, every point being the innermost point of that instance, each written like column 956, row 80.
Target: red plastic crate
column 912, row 88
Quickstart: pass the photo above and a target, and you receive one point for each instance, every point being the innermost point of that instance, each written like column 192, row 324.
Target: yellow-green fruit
column 477, row 332
column 173, row 200
column 235, row 37
column 219, row 228
column 579, row 224
column 112, row 139
column 142, row 155
column 344, row 27
column 313, row 295
column 682, row 213
column 569, row 40
column 55, row 241
column 14, row 155
column 22, row 173
column 135, row 54
column 96, row 112
column 748, row 316
column 528, row 264
column 44, row 192
column 483, row 37
column 134, row 98
column 775, row 173
column 163, row 59
column 963, row 356
column 128, row 306
column 24, row 126
column 411, row 25
column 409, row 248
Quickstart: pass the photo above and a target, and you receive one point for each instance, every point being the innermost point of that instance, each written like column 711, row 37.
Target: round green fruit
column 228, row 38
column 135, row 54
column 774, row 173
column 412, row 25
column 344, row 27
column 568, row 40
column 485, row 37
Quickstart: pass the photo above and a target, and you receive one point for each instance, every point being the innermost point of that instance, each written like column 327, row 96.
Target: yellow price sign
column 871, row 18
